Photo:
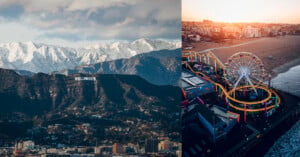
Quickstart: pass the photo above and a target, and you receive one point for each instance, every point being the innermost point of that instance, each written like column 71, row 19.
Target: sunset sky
column 268, row 11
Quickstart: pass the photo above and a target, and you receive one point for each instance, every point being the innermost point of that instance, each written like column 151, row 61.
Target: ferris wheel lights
column 244, row 72
column 243, row 68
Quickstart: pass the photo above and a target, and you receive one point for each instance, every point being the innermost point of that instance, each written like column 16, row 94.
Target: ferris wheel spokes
column 244, row 68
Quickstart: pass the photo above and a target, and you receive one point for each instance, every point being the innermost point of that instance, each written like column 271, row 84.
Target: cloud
column 98, row 20
column 83, row 5
column 11, row 11
column 64, row 36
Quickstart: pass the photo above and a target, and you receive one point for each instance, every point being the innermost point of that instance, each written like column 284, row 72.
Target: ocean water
column 288, row 81
column 288, row 145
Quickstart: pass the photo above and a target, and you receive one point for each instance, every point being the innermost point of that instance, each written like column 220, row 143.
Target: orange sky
column 267, row 11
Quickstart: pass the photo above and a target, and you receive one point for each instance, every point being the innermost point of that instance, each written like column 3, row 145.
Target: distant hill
column 44, row 93
column 109, row 101
column 158, row 67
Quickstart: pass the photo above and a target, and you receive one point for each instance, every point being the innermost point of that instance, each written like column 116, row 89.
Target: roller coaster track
column 198, row 55
column 190, row 54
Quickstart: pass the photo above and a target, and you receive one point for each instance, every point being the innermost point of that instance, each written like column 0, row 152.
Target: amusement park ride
column 241, row 83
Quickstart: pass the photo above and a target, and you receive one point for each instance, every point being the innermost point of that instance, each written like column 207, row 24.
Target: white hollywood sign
column 85, row 78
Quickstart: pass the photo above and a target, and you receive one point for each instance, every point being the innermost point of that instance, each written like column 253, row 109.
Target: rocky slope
column 158, row 67
column 43, row 94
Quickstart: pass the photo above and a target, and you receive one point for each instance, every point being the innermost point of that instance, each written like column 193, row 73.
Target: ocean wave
column 288, row 145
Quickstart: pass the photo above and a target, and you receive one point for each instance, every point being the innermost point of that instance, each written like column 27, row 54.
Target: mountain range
column 157, row 67
column 31, row 104
column 36, row 57
column 43, row 93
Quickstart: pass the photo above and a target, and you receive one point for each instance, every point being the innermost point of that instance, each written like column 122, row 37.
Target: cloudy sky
column 81, row 22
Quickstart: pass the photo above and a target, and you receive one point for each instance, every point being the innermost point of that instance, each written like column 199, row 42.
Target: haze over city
column 268, row 11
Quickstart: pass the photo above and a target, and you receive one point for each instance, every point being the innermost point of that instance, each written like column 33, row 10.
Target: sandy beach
column 277, row 53
column 199, row 46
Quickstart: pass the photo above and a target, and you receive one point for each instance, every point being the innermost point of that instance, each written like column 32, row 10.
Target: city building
column 117, row 148
column 194, row 37
column 215, row 121
column 151, row 145
column 195, row 86
column 53, row 129
column 27, row 145
column 165, row 146
column 251, row 32
column 212, row 125
column 229, row 118
column 232, row 32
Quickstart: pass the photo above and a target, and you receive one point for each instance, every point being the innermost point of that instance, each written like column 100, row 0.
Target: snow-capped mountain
column 48, row 58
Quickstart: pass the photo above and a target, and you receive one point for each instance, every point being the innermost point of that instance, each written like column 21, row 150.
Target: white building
column 195, row 37
column 251, row 32
column 25, row 145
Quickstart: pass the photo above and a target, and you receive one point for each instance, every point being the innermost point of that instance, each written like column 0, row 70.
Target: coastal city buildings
column 207, row 30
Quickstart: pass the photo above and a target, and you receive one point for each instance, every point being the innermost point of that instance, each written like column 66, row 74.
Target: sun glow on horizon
column 273, row 11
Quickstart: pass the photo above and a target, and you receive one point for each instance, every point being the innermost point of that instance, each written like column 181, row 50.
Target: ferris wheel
column 244, row 68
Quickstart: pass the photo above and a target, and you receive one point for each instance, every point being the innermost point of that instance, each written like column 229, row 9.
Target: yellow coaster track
column 193, row 54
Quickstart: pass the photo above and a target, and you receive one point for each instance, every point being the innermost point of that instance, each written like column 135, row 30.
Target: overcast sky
column 81, row 22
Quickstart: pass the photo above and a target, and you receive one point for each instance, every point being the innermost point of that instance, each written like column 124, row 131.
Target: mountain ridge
column 162, row 63
column 127, row 101
column 37, row 57
column 44, row 93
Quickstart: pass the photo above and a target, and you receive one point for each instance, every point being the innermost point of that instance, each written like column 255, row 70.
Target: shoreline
column 284, row 139
column 270, row 138
column 206, row 45
column 285, row 67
